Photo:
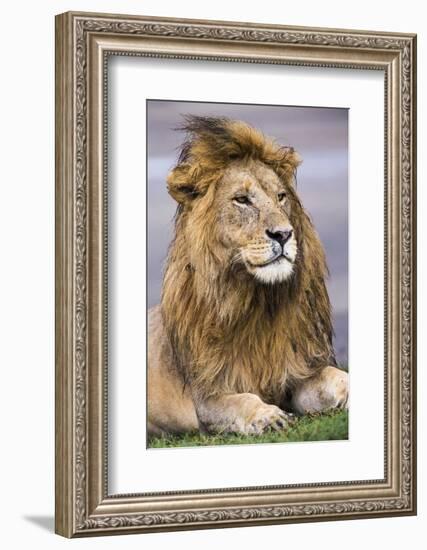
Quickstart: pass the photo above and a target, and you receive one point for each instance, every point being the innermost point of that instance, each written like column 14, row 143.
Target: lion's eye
column 242, row 199
column 281, row 197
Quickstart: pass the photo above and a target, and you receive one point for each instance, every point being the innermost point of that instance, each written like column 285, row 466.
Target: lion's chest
column 255, row 364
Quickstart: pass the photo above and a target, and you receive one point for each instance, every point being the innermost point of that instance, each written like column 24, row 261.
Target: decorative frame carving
column 83, row 43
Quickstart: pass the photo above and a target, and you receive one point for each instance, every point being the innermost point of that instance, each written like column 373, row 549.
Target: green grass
column 321, row 427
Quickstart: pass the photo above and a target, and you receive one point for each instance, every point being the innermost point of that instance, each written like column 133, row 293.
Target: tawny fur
column 228, row 332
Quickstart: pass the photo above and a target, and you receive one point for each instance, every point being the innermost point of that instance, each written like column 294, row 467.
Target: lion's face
column 238, row 204
column 253, row 221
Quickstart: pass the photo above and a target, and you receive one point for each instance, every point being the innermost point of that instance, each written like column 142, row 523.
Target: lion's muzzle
column 271, row 258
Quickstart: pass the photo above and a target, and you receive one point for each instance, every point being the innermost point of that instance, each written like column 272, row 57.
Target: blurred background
column 320, row 135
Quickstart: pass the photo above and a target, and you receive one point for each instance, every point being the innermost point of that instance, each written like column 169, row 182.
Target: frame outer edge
column 414, row 270
column 233, row 23
column 64, row 237
column 73, row 403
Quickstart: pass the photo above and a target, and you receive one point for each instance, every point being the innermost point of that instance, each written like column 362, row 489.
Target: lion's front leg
column 327, row 390
column 243, row 413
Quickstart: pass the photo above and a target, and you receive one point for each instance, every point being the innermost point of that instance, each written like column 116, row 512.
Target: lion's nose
column 282, row 236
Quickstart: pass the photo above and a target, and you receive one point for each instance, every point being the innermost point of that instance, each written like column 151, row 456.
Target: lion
column 242, row 339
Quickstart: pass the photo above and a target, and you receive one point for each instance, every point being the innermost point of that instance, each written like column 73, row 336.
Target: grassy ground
column 324, row 427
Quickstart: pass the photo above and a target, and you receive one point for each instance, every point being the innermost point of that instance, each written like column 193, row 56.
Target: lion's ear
column 296, row 162
column 292, row 158
column 180, row 186
column 297, row 159
column 184, row 193
column 288, row 164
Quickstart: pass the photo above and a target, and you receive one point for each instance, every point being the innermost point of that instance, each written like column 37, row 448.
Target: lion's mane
column 229, row 332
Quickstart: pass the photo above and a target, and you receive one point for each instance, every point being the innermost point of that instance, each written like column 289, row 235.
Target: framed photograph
column 235, row 274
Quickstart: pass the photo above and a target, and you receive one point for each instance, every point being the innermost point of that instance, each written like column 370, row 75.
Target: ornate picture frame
column 84, row 43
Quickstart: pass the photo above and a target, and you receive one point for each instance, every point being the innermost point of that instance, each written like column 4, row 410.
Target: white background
column 132, row 80
column 27, row 275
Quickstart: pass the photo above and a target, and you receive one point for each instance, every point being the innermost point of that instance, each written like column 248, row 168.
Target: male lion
column 244, row 328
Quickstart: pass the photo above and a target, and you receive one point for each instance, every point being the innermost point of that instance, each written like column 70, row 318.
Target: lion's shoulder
column 154, row 317
column 158, row 343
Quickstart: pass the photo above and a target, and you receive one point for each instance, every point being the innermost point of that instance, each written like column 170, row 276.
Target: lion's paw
column 268, row 417
column 328, row 390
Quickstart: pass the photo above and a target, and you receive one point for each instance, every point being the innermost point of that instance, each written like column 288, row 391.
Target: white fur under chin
column 276, row 272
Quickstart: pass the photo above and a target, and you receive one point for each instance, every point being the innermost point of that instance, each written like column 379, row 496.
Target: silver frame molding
column 83, row 43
